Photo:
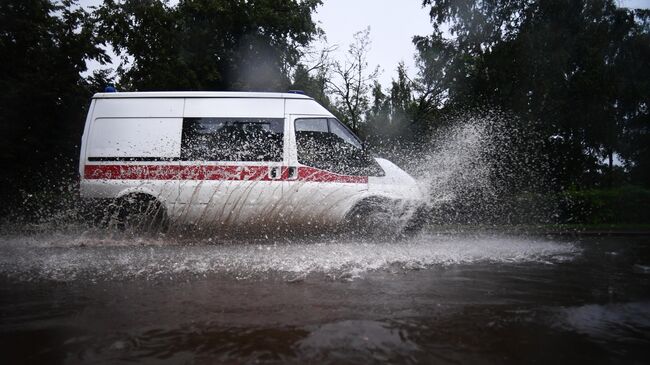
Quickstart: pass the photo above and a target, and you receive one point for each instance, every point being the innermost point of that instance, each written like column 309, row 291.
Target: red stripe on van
column 316, row 175
column 204, row 172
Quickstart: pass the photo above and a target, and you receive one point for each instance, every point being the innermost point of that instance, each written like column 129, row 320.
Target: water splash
column 65, row 258
column 455, row 162
column 484, row 167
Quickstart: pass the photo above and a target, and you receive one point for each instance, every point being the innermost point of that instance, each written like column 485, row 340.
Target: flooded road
column 86, row 298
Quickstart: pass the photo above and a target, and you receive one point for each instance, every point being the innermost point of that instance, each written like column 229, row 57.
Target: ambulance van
column 233, row 159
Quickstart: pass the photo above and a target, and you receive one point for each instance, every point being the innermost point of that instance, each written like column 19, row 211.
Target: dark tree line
column 576, row 72
column 206, row 44
column 43, row 48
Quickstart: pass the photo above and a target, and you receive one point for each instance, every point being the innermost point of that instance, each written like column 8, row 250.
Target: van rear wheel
column 138, row 213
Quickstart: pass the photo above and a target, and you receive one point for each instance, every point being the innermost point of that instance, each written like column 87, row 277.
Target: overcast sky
column 393, row 23
column 392, row 26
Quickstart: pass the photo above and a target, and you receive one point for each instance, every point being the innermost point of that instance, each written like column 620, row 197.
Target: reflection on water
column 614, row 321
column 434, row 298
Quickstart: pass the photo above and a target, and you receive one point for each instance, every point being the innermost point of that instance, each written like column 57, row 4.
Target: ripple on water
column 68, row 258
column 612, row 321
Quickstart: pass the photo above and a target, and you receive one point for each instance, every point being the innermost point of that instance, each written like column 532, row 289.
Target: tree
column 440, row 74
column 207, row 44
column 350, row 81
column 311, row 76
column 145, row 35
column 557, row 66
column 394, row 115
column 633, row 99
column 43, row 49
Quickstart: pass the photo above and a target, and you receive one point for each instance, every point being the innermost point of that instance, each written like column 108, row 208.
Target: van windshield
column 327, row 144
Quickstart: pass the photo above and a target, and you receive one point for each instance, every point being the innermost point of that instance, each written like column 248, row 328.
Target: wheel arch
column 141, row 191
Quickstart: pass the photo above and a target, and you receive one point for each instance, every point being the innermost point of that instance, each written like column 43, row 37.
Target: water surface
column 98, row 298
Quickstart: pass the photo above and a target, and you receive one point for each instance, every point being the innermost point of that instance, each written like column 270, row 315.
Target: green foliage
column 43, row 49
column 313, row 85
column 576, row 69
column 627, row 204
column 207, row 44
column 393, row 115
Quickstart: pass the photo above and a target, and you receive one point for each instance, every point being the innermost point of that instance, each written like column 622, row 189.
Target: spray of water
column 65, row 257
column 455, row 163
column 470, row 171
column 484, row 168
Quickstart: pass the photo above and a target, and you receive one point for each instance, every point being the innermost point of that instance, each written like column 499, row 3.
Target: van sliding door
column 231, row 170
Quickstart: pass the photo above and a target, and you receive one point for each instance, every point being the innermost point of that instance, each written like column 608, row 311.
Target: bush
column 628, row 205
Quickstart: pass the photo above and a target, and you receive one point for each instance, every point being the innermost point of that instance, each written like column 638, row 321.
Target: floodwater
column 435, row 298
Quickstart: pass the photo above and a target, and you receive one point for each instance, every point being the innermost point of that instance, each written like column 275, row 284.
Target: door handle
column 292, row 173
column 275, row 173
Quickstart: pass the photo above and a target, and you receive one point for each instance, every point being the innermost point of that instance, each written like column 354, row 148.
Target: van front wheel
column 371, row 216
column 138, row 213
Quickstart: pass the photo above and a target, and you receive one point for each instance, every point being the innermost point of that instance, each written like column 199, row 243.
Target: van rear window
column 232, row 139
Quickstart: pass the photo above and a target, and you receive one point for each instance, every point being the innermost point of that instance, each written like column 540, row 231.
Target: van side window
column 232, row 139
column 326, row 144
column 345, row 136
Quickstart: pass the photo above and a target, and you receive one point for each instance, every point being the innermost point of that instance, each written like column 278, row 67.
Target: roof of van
column 200, row 94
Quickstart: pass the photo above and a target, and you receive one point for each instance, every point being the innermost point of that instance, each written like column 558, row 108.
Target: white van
column 215, row 159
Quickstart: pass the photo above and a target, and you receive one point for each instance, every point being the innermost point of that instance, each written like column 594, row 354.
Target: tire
column 417, row 222
column 377, row 217
column 138, row 213
column 370, row 217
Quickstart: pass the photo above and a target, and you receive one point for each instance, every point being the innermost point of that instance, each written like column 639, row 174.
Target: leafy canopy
column 207, row 44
